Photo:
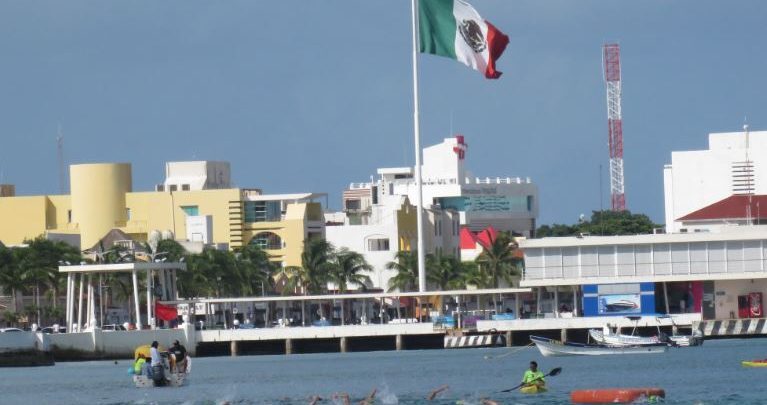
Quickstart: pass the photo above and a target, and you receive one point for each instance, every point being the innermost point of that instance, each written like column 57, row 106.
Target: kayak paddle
column 551, row 373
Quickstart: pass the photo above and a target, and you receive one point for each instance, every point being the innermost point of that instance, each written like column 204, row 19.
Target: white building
column 196, row 175
column 506, row 203
column 699, row 185
column 379, row 230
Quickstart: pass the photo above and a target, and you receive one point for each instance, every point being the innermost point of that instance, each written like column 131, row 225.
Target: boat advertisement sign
column 614, row 304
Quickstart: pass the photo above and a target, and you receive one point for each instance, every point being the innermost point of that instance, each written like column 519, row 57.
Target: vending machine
column 755, row 305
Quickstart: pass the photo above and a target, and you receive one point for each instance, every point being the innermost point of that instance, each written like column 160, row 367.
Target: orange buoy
column 615, row 395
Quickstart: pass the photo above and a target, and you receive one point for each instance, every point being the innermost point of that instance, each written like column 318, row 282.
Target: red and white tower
column 612, row 59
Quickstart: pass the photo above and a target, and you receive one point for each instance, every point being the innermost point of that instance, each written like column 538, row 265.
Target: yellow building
column 196, row 204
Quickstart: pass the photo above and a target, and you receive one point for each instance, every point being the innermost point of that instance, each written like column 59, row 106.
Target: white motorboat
column 617, row 339
column 551, row 347
column 696, row 339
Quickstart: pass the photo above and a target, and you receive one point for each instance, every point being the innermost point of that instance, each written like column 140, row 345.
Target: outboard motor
column 159, row 371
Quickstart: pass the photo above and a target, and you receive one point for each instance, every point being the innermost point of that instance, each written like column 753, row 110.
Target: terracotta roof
column 469, row 239
column 732, row 207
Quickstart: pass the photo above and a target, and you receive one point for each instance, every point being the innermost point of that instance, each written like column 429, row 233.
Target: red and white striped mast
column 612, row 59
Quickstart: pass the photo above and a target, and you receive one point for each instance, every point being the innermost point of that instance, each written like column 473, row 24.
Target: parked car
column 112, row 327
column 3, row 330
column 51, row 329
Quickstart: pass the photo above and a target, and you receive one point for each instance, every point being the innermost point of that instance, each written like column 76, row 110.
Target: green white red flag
column 453, row 29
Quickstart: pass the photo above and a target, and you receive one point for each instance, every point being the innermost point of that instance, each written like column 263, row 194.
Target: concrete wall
column 14, row 341
column 316, row 332
column 120, row 343
column 580, row 323
column 728, row 302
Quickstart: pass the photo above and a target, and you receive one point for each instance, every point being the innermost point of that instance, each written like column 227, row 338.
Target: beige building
column 196, row 203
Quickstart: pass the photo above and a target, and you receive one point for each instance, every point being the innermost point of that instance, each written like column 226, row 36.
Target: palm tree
column 446, row 272
column 256, row 269
column 317, row 264
column 406, row 279
column 498, row 260
column 11, row 275
column 347, row 269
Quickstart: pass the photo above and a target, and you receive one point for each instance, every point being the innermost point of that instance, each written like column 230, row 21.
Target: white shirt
column 156, row 359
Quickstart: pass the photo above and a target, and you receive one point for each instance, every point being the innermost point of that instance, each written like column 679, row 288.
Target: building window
column 185, row 187
column 262, row 211
column 267, row 241
column 353, row 204
column 69, row 216
column 128, row 214
column 378, row 245
column 529, row 203
column 190, row 210
column 173, row 187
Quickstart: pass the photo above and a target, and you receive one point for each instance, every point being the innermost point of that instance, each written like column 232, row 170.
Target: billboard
column 618, row 304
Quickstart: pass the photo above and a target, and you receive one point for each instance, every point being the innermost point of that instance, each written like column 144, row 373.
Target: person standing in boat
column 158, row 373
column 533, row 377
column 178, row 352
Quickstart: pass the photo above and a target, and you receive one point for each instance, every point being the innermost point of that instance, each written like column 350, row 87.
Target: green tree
column 11, row 276
column 445, row 272
column 256, row 269
column 406, row 279
column 498, row 261
column 602, row 223
column 315, row 270
column 348, row 269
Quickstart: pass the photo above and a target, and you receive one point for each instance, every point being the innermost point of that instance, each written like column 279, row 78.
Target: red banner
column 165, row 312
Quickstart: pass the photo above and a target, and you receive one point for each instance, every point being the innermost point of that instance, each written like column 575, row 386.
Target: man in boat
column 533, row 377
column 158, row 371
column 178, row 353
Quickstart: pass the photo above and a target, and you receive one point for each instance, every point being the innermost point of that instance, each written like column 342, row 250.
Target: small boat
column 696, row 339
column 173, row 378
column 616, row 395
column 754, row 363
column 617, row 339
column 551, row 347
column 533, row 389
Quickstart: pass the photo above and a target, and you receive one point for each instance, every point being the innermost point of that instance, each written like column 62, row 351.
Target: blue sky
column 312, row 95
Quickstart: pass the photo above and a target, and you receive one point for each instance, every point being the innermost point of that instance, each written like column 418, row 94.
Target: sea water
column 710, row 374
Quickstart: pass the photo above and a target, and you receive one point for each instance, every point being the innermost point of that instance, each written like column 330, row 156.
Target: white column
column 163, row 283
column 575, row 300
column 69, row 303
column 665, row 297
column 80, row 304
column 556, row 301
column 89, row 315
column 135, row 300
column 516, row 306
column 417, row 136
column 174, row 283
column 538, row 303
column 149, row 299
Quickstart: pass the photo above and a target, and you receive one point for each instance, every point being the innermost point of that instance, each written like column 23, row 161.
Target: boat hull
column 174, row 380
column 551, row 347
column 533, row 389
column 754, row 363
column 622, row 340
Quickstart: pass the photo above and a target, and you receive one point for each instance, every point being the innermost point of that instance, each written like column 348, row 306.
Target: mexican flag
column 452, row 28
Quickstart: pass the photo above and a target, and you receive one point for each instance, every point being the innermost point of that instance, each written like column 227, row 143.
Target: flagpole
column 417, row 134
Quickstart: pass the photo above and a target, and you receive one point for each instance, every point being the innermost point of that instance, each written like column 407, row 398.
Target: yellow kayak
column 754, row 363
column 532, row 389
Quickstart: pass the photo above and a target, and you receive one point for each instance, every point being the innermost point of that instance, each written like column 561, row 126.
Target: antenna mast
column 612, row 61
column 60, row 155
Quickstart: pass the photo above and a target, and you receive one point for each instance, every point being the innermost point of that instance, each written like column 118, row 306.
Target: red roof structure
column 732, row 207
column 469, row 239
